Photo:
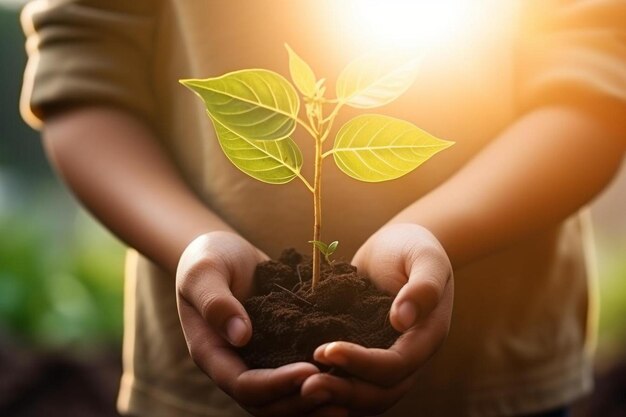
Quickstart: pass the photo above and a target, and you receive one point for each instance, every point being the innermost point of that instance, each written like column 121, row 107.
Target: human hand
column 406, row 260
column 215, row 272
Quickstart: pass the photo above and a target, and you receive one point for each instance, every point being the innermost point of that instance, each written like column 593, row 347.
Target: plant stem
column 327, row 153
column 317, row 209
column 333, row 114
column 321, row 127
column 330, row 120
column 306, row 183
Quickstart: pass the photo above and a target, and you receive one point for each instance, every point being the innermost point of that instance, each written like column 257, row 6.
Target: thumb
column 204, row 282
column 211, row 297
column 429, row 272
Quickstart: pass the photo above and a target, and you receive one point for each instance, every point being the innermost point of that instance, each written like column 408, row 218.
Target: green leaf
column 301, row 74
column 323, row 247
column 372, row 81
column 375, row 148
column 255, row 104
column 332, row 247
column 274, row 162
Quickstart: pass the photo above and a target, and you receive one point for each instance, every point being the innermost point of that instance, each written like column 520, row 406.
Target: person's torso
column 464, row 92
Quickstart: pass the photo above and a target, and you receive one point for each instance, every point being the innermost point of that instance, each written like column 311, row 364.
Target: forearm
column 536, row 173
column 116, row 168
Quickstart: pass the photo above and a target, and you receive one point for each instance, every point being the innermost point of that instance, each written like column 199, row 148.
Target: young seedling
column 255, row 112
column 326, row 250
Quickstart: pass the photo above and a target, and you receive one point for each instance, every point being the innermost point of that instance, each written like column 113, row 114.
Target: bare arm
column 543, row 168
column 540, row 170
column 550, row 162
column 114, row 165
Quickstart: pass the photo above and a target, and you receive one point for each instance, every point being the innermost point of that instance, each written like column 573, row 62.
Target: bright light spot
column 403, row 24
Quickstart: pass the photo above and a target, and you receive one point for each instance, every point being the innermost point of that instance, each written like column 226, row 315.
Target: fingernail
column 320, row 350
column 407, row 313
column 319, row 397
column 236, row 330
column 334, row 356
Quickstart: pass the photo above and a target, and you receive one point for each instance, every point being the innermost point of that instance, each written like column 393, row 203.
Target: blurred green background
column 61, row 273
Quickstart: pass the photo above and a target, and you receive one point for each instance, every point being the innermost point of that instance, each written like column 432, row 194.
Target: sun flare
column 407, row 24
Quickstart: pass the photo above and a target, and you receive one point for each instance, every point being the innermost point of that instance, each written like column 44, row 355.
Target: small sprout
column 320, row 89
column 332, row 247
column 325, row 249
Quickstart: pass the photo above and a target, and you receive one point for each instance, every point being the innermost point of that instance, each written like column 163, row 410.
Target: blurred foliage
column 19, row 145
column 60, row 272
column 612, row 327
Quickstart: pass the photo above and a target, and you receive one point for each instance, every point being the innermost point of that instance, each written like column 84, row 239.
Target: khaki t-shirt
column 519, row 340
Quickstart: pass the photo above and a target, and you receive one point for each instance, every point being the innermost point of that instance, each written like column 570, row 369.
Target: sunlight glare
column 406, row 24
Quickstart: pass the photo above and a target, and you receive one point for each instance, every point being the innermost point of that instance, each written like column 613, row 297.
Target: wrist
column 429, row 245
column 223, row 248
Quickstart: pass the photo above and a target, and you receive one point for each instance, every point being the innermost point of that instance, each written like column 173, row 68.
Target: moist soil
column 290, row 320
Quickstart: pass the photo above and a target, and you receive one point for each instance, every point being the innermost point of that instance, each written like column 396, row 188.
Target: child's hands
column 214, row 273
column 407, row 260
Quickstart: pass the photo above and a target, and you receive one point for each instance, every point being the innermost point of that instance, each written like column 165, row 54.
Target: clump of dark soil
column 290, row 321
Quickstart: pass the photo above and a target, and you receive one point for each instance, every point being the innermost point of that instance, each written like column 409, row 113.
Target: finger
column 382, row 367
column 206, row 287
column 386, row 367
column 429, row 276
column 251, row 387
column 358, row 396
column 211, row 353
column 262, row 386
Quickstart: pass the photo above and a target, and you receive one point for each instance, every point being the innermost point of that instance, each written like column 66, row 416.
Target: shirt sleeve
column 85, row 52
column 574, row 52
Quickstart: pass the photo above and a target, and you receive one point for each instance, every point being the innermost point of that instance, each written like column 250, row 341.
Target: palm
column 214, row 274
column 407, row 261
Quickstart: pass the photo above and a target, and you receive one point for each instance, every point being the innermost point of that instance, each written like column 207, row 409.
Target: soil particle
column 290, row 321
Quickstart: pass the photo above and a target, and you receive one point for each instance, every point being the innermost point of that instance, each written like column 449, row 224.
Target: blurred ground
column 55, row 384
column 61, row 281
